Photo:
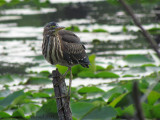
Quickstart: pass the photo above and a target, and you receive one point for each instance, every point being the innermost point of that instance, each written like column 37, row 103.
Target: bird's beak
column 59, row 28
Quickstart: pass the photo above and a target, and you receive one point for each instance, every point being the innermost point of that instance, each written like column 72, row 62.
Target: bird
column 63, row 47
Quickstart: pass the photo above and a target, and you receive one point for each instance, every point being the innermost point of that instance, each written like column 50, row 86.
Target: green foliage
column 38, row 80
column 125, row 29
column 5, row 79
column 101, row 113
column 85, row 74
column 93, row 89
column 137, row 58
column 154, row 30
column 47, row 111
column 99, row 30
column 92, row 66
column 83, row 109
column 4, row 115
column 106, row 74
column 85, row 30
column 73, row 28
column 10, row 99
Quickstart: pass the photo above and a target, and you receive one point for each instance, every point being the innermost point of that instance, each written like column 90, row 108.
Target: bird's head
column 54, row 26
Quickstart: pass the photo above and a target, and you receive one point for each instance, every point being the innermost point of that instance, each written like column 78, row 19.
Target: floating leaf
column 40, row 57
column 4, row 114
column 147, row 110
column 101, row 113
column 5, row 79
column 118, row 99
column 73, row 28
column 92, row 89
column 99, row 30
column 135, row 70
column 92, row 65
column 10, row 98
column 109, row 67
column 137, row 58
column 47, row 111
column 99, row 68
column 156, row 110
column 109, row 93
column 83, row 108
column 29, row 109
column 38, row 80
column 18, row 113
column 40, row 95
column 153, row 97
column 61, row 69
column 44, row 73
column 106, row 74
column 85, row 74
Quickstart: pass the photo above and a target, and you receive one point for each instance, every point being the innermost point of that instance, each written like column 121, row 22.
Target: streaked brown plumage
column 63, row 47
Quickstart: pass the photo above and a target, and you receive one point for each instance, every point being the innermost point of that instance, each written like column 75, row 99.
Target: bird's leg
column 64, row 75
column 70, row 83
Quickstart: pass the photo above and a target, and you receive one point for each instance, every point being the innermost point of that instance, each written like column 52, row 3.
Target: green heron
column 63, row 47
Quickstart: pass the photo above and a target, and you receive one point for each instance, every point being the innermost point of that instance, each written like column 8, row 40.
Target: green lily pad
column 137, row 58
column 99, row 30
column 101, row 113
column 40, row 95
column 47, row 111
column 4, row 114
column 99, row 68
column 11, row 98
column 44, row 73
column 156, row 110
column 73, row 28
column 61, row 69
column 83, row 108
column 92, row 66
column 38, row 80
column 92, row 89
column 109, row 93
column 153, row 97
column 136, row 70
column 118, row 99
column 18, row 113
column 5, row 79
column 26, row 110
column 106, row 74
column 85, row 74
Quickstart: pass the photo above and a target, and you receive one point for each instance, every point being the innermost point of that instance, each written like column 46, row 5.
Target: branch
column 137, row 102
column 144, row 32
column 60, row 89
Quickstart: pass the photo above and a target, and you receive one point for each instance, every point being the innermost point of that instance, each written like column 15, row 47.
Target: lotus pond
column 116, row 48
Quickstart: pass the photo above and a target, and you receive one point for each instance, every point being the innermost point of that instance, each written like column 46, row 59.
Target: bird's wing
column 74, row 53
column 68, row 36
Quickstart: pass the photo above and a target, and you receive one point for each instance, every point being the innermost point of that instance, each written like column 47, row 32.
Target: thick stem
column 60, row 89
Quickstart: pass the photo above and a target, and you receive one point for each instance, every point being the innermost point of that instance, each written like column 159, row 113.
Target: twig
column 60, row 89
column 144, row 32
column 137, row 102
